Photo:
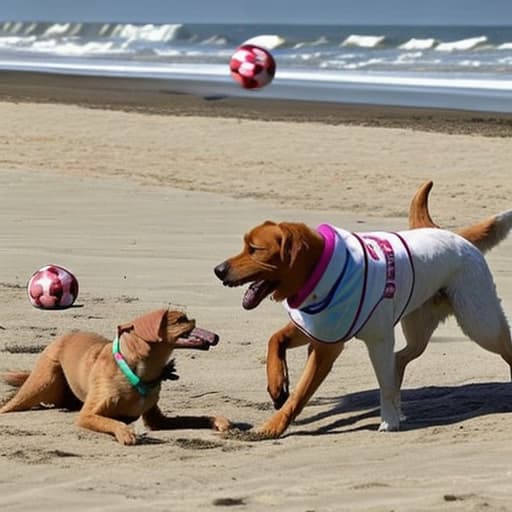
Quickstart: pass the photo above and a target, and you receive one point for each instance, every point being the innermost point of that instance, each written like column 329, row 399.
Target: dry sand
column 141, row 207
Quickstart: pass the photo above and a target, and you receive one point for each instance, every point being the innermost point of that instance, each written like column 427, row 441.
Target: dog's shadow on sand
column 423, row 407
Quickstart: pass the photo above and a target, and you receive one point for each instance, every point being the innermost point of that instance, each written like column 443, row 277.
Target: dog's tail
column 419, row 216
column 485, row 234
column 15, row 379
column 490, row 232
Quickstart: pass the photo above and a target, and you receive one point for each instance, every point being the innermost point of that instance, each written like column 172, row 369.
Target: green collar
column 133, row 379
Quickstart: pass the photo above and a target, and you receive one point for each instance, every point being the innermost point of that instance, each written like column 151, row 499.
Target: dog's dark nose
column 221, row 271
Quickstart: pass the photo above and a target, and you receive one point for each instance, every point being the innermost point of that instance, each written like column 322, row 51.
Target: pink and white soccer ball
column 252, row 66
column 52, row 287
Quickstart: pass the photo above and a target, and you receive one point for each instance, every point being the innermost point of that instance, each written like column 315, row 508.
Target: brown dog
column 117, row 382
column 279, row 259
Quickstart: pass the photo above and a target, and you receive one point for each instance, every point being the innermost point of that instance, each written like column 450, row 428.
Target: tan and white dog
column 337, row 285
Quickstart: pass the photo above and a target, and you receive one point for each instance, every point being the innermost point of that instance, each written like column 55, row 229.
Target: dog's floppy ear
column 292, row 241
column 148, row 326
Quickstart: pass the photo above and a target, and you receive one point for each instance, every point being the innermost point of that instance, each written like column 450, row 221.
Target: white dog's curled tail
column 485, row 235
column 490, row 232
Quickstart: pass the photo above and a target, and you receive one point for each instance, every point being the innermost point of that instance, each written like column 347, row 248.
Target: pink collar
column 328, row 234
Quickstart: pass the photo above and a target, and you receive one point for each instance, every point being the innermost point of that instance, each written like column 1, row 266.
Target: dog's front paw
column 220, row 424
column 279, row 397
column 390, row 412
column 126, row 436
column 389, row 427
column 263, row 433
column 274, row 427
column 279, row 389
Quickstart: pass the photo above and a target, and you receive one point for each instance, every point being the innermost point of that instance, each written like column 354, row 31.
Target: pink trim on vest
column 328, row 234
column 389, row 255
column 349, row 333
column 413, row 274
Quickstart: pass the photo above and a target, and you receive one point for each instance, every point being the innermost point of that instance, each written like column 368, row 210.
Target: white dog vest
column 354, row 274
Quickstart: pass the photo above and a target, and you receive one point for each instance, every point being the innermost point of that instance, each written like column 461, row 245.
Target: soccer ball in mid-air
column 52, row 287
column 252, row 66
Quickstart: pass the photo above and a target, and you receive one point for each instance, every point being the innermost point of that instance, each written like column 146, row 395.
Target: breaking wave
column 314, row 47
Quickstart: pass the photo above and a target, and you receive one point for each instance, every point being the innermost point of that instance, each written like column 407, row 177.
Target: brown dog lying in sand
column 116, row 381
column 337, row 285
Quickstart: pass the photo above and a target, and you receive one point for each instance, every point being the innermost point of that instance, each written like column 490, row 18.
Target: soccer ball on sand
column 252, row 66
column 52, row 287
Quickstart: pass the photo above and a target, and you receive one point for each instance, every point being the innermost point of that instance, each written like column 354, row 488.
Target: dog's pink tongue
column 198, row 338
column 208, row 337
column 256, row 293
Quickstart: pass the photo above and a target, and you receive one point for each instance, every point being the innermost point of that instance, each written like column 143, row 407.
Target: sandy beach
column 141, row 193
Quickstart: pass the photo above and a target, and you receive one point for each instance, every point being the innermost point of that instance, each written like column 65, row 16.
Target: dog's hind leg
column 15, row 378
column 478, row 311
column 497, row 339
column 418, row 327
column 46, row 384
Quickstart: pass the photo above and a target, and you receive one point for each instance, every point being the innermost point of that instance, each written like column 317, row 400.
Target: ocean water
column 460, row 67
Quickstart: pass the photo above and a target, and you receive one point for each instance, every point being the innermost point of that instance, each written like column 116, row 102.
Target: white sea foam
column 302, row 56
column 406, row 58
column 505, row 46
column 266, row 41
column 363, row 64
column 14, row 41
column 104, row 29
column 318, row 42
column 149, row 32
column 334, row 64
column 470, row 63
column 70, row 49
column 363, row 41
column 215, row 41
column 418, row 44
column 462, row 45
column 168, row 52
column 57, row 29
column 15, row 28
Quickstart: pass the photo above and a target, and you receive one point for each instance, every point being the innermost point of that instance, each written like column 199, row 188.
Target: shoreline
column 160, row 97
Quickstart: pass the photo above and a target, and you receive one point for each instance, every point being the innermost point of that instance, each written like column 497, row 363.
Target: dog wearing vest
column 336, row 285
column 114, row 382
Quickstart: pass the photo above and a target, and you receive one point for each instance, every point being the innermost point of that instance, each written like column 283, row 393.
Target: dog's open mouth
column 197, row 338
column 256, row 292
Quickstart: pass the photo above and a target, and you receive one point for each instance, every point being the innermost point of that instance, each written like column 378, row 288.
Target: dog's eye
column 255, row 248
